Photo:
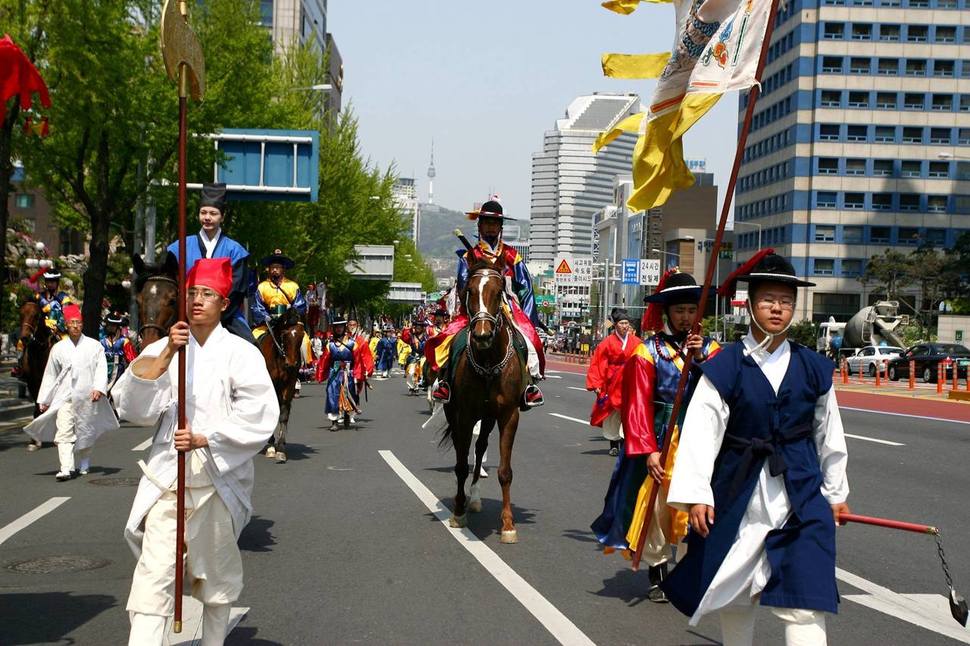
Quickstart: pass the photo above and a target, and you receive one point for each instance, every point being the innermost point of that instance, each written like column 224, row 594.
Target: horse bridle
column 495, row 320
column 484, row 314
column 154, row 326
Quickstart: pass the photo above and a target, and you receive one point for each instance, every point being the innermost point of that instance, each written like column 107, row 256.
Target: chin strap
column 769, row 338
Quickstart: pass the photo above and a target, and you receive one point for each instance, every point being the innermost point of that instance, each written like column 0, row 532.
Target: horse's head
column 31, row 320
column 483, row 300
column 157, row 294
column 290, row 332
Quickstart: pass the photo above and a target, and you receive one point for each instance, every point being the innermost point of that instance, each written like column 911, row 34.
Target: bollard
column 912, row 374
column 845, row 372
column 940, row 378
column 956, row 381
column 878, row 375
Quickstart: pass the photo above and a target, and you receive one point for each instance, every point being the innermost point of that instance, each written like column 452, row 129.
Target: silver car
column 866, row 359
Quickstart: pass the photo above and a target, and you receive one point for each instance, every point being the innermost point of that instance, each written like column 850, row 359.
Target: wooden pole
column 180, row 521
column 753, row 94
column 888, row 523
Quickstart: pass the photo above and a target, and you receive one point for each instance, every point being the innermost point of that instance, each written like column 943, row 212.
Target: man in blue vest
column 761, row 472
column 211, row 242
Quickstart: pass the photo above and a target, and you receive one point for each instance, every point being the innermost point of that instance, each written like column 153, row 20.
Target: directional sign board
column 631, row 271
column 649, row 272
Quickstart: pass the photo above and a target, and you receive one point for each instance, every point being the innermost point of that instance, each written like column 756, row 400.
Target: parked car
column 927, row 356
column 869, row 357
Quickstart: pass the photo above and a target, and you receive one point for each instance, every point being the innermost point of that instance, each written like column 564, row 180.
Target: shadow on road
column 246, row 635
column 295, row 451
column 581, row 535
column 628, row 586
column 256, row 536
column 596, row 452
column 48, row 617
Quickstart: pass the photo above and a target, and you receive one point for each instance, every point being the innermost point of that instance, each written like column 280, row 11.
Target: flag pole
column 753, row 95
column 184, row 63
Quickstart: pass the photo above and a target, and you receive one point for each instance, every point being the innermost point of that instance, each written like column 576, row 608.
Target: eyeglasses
column 207, row 295
column 767, row 303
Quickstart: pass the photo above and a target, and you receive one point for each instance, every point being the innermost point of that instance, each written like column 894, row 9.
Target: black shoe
column 334, row 426
column 657, row 575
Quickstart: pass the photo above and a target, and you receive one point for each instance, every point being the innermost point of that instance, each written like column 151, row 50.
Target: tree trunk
column 6, row 187
column 96, row 273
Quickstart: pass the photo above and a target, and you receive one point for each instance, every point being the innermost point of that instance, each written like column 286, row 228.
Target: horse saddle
column 460, row 344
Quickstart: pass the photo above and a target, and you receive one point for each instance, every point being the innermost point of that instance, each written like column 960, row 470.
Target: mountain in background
column 437, row 240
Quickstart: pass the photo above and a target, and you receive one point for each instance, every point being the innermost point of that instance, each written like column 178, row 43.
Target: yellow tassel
column 629, row 124
column 634, row 66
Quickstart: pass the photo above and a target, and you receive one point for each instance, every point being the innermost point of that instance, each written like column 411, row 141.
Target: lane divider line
column 576, row 388
column 144, row 445
column 558, row 625
column 883, row 412
column 31, row 517
column 872, row 439
column 584, row 422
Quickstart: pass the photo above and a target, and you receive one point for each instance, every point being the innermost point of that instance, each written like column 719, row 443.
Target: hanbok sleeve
column 253, row 414
column 597, row 367
column 700, row 442
column 47, row 385
column 637, row 411
column 100, row 382
column 832, row 453
column 142, row 401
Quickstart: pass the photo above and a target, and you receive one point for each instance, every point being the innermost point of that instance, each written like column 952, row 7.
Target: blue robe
column 763, row 426
column 386, row 353
column 340, row 375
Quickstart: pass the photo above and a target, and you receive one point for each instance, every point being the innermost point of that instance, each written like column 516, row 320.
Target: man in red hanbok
column 605, row 368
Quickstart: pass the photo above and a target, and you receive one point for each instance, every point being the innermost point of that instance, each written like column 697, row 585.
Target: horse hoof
column 280, row 457
column 475, row 506
column 32, row 447
column 270, row 452
column 457, row 521
column 509, row 536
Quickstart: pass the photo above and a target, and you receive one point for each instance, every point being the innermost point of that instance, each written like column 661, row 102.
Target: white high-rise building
column 570, row 182
column 406, row 199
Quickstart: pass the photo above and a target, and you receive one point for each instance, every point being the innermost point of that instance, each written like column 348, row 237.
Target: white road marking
column 929, row 611
column 584, row 422
column 144, row 445
column 872, row 439
column 191, row 634
column 576, row 388
column 882, row 412
column 553, row 377
column 31, row 516
column 558, row 625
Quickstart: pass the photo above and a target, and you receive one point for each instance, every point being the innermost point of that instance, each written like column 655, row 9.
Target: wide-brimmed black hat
column 764, row 266
column 52, row 274
column 277, row 257
column 490, row 209
column 619, row 314
column 338, row 318
column 676, row 289
column 115, row 318
column 214, row 195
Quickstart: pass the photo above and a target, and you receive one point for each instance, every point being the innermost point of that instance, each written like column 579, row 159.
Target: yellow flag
column 630, row 124
column 626, row 7
column 634, row 66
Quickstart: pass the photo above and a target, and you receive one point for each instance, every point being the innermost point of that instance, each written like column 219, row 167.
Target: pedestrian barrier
column 912, row 374
column 956, row 378
column 845, row 371
column 878, row 375
column 940, row 377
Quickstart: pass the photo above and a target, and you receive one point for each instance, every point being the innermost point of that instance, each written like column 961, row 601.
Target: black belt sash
column 758, row 448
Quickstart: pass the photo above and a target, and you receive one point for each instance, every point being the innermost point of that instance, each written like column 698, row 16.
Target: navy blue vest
column 779, row 429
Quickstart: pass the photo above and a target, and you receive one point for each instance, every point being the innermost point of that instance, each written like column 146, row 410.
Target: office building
column 405, row 196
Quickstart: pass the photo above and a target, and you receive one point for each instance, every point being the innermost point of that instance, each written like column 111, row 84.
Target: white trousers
column 65, row 437
column 533, row 357
column 613, row 427
column 212, row 560
column 802, row 627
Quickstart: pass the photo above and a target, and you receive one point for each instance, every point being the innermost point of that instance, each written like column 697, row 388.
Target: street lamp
column 666, row 253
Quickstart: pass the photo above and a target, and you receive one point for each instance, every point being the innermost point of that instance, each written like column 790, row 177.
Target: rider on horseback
column 52, row 301
column 276, row 294
column 524, row 314
column 118, row 349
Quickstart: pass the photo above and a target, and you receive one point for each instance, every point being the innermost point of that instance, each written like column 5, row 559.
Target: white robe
column 229, row 398
column 745, row 570
column 72, row 372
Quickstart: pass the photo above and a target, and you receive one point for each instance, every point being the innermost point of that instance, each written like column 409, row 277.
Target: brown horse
column 156, row 287
column 37, row 340
column 488, row 384
column 282, row 348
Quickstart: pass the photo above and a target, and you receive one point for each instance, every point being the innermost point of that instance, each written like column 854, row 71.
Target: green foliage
column 803, row 332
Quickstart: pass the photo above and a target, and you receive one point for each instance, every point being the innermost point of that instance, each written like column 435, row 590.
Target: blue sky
column 486, row 79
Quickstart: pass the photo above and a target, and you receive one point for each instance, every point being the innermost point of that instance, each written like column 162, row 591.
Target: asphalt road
column 342, row 549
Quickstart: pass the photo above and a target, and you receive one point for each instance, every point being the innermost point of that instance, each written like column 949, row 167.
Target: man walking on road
column 605, row 368
column 231, row 411
column 73, row 405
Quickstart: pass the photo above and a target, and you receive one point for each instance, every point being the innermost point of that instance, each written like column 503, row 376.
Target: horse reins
column 154, row 326
column 496, row 321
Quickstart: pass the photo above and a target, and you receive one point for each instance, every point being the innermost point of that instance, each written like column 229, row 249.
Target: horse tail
column 447, row 436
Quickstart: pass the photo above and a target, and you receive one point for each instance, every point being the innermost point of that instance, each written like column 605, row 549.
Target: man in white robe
column 72, row 401
column 231, row 410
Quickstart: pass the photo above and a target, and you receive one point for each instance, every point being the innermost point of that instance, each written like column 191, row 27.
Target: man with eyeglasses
column 212, row 242
column 761, row 471
column 231, row 412
column 72, row 401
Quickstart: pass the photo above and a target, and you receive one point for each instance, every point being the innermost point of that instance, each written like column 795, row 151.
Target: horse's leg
column 475, row 502
column 280, row 437
column 461, row 438
column 508, row 422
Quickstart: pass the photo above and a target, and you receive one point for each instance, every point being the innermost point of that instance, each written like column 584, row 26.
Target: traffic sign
column 564, row 267
column 631, row 271
column 649, row 272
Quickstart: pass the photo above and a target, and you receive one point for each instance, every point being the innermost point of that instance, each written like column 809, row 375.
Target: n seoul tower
column 431, row 174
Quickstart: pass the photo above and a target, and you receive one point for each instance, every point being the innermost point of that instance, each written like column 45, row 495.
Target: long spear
column 184, row 64
column 709, row 277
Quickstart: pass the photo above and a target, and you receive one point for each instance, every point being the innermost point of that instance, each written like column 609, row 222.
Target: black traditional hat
column 277, row 257
column 338, row 318
column 52, row 274
column 115, row 318
column 492, row 208
column 214, row 195
column 619, row 314
column 679, row 287
column 764, row 266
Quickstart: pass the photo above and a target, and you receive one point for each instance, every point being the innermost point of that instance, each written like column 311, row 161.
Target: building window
column 832, row 64
column 963, row 137
column 851, row 267
column 266, row 13
column 831, row 98
column 939, row 135
column 912, row 135
column 908, row 202
column 855, row 201
column 856, row 133
column 909, row 168
column 908, row 236
column 915, row 67
column 886, row 101
column 855, row 166
column 830, row 132
column 961, row 203
column 828, row 166
column 946, row 4
column 919, row 4
column 917, row 33
column 913, row 101
column 24, row 200
column 888, row 66
column 824, row 266
column 936, row 203
column 882, row 201
column 965, row 68
column 861, row 31
column 859, row 65
column 825, row 200
column 882, row 167
column 944, row 68
column 825, row 233
column 889, row 32
column 834, row 31
column 936, row 237
column 879, row 235
column 852, row 235
column 942, row 103
column 965, row 103
column 939, row 169
column 858, row 99
column 946, row 34
column 963, row 170
column 885, row 134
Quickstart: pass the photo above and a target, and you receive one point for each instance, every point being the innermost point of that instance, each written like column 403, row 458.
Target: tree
column 890, row 272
